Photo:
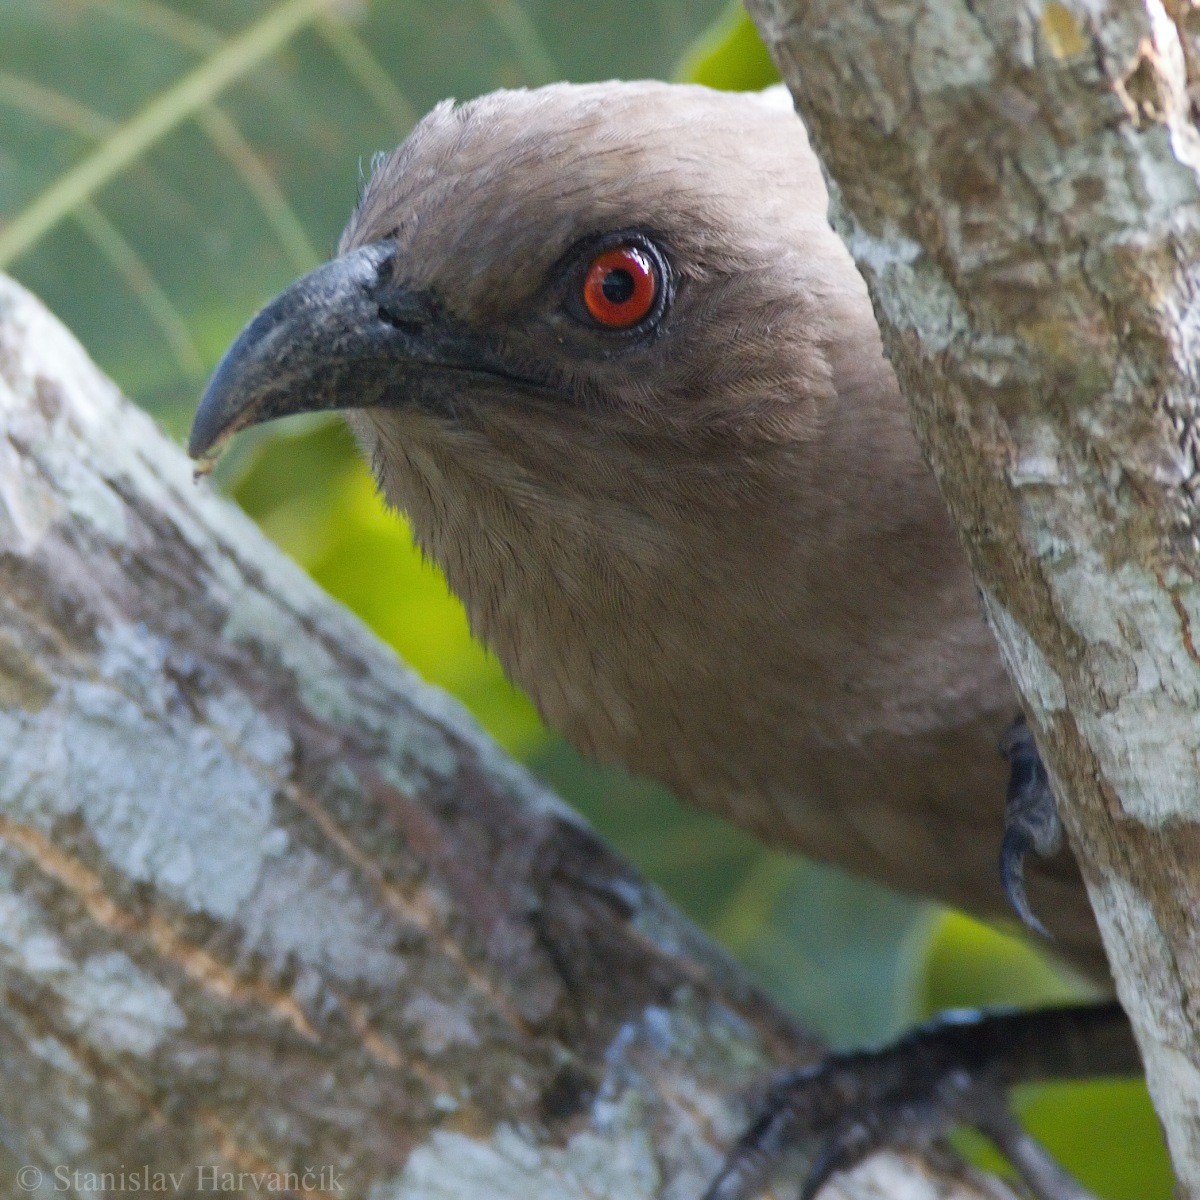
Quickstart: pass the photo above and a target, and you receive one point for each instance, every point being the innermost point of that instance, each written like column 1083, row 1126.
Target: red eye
column 621, row 286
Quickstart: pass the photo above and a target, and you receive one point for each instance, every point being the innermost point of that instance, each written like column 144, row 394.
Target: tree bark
column 1017, row 180
column 275, row 915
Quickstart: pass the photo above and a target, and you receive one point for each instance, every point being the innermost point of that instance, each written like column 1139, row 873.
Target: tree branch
column 268, row 904
column 1018, row 183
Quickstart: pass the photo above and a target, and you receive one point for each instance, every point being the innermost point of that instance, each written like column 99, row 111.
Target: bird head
column 601, row 345
column 643, row 267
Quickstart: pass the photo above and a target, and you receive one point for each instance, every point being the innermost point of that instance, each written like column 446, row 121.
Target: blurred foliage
column 167, row 165
column 729, row 56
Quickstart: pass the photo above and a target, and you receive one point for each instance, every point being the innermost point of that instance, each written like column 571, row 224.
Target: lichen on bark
column 273, row 909
column 1018, row 182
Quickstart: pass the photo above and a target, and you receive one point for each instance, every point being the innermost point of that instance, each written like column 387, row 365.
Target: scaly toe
column 908, row 1096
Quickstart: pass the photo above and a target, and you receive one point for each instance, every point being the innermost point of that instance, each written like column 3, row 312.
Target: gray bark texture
column 1018, row 181
column 275, row 917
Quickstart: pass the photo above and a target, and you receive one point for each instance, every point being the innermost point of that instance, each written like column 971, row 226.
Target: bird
column 603, row 348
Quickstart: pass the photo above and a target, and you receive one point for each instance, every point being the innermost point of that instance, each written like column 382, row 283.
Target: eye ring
column 622, row 286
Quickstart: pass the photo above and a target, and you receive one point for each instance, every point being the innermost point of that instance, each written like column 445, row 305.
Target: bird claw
column 1031, row 822
column 906, row 1096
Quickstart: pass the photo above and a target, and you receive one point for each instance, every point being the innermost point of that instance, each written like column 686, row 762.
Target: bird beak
column 346, row 335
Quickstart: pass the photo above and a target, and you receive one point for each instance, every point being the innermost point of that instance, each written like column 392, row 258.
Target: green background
column 166, row 167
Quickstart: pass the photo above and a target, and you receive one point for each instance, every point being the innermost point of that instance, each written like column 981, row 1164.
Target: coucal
column 603, row 348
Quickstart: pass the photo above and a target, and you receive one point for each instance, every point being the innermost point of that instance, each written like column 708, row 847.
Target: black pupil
column 618, row 286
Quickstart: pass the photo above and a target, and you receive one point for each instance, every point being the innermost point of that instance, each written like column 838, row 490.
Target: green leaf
column 730, row 56
column 971, row 965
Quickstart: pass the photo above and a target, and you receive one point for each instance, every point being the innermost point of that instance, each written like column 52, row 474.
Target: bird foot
column 1031, row 822
column 952, row 1071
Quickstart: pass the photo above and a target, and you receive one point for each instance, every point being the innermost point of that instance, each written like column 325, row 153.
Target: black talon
column 1031, row 821
column 844, row 1150
column 744, row 1172
column 955, row 1070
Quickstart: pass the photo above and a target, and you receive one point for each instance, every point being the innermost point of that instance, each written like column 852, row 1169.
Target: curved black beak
column 294, row 356
column 346, row 335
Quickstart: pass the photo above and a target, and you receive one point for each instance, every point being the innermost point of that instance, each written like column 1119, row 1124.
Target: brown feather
column 716, row 558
